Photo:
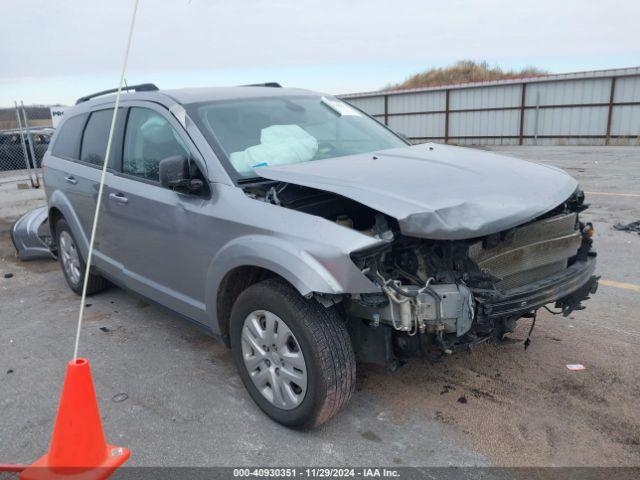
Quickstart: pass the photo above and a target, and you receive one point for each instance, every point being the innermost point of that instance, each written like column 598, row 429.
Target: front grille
column 533, row 252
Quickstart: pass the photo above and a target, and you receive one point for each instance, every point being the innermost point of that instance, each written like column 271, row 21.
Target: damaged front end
column 456, row 262
column 440, row 296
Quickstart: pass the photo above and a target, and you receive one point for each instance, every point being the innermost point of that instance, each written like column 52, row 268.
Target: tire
column 74, row 276
column 322, row 338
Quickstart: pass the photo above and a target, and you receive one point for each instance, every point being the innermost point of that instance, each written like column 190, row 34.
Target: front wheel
column 294, row 356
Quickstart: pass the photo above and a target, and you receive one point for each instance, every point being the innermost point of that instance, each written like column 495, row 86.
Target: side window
column 68, row 139
column 96, row 134
column 149, row 138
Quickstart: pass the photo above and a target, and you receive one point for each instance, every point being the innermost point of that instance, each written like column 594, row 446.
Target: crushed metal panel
column 438, row 192
column 31, row 235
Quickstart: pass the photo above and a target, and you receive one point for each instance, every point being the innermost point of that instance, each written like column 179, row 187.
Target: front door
column 154, row 232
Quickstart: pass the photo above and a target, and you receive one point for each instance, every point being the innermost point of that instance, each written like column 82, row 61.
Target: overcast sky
column 56, row 51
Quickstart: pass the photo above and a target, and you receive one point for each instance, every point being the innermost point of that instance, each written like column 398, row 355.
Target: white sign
column 56, row 115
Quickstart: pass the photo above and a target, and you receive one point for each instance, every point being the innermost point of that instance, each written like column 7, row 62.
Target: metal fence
column 23, row 148
column 587, row 108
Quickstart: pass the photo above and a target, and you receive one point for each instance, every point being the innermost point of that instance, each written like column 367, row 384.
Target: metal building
column 586, row 108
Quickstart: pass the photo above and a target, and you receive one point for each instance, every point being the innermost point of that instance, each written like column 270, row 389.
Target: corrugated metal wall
column 587, row 108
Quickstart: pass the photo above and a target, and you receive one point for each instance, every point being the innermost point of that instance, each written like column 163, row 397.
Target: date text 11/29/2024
column 317, row 472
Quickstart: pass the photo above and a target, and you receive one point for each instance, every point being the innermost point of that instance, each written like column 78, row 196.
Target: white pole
column 104, row 171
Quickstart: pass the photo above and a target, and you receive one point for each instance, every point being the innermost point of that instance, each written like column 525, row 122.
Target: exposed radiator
column 531, row 252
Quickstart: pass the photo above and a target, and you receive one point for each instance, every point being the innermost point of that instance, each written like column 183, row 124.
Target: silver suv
column 308, row 235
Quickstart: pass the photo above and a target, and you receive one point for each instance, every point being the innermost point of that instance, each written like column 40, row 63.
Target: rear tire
column 317, row 333
column 71, row 261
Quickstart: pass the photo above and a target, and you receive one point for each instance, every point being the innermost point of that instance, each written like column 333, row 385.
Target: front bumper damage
column 452, row 295
column 567, row 289
column 493, row 314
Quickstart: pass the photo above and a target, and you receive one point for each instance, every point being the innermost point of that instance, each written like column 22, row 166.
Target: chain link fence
column 15, row 150
column 22, row 145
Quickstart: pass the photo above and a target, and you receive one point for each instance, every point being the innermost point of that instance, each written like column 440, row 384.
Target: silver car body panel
column 435, row 191
column 31, row 235
column 178, row 252
column 176, row 249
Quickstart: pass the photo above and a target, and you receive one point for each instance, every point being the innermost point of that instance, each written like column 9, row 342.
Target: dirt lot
column 522, row 408
column 498, row 404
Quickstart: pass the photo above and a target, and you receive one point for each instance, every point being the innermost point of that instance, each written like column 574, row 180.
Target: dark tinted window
column 96, row 134
column 68, row 140
column 149, row 139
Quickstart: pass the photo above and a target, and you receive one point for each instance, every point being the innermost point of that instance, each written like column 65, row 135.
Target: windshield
column 290, row 129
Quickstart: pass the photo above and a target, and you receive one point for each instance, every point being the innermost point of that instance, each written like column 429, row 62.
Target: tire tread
column 332, row 343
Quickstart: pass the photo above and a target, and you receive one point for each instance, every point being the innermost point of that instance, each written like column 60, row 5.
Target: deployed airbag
column 279, row 145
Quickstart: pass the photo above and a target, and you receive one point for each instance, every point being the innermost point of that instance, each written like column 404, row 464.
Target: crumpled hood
column 438, row 191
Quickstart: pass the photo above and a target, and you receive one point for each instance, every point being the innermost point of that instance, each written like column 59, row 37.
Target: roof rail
column 266, row 84
column 143, row 87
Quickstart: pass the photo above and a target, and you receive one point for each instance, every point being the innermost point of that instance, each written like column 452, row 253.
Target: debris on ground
column 119, row 397
column 576, row 366
column 628, row 227
column 9, row 371
column 8, row 275
column 105, row 329
column 446, row 389
column 462, row 399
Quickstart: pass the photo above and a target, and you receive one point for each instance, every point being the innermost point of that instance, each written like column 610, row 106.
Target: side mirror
column 177, row 173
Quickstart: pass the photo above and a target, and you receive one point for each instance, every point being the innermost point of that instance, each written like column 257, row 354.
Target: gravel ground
column 497, row 405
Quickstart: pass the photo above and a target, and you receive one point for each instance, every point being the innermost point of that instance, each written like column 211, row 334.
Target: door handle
column 71, row 179
column 118, row 197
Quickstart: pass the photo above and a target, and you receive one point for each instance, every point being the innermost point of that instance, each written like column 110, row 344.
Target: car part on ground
column 31, row 235
column 628, row 227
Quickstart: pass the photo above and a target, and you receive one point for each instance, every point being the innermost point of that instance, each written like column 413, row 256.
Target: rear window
column 68, row 139
column 96, row 134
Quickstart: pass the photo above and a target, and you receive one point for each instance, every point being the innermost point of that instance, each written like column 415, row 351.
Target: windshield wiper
column 253, row 180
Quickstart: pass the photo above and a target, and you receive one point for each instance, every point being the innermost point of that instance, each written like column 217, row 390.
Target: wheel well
column 233, row 284
column 54, row 216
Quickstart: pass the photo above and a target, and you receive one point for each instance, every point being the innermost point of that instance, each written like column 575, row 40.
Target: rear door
column 153, row 231
column 83, row 176
column 74, row 167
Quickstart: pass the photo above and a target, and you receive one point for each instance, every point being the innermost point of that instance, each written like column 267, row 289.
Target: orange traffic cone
column 78, row 448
